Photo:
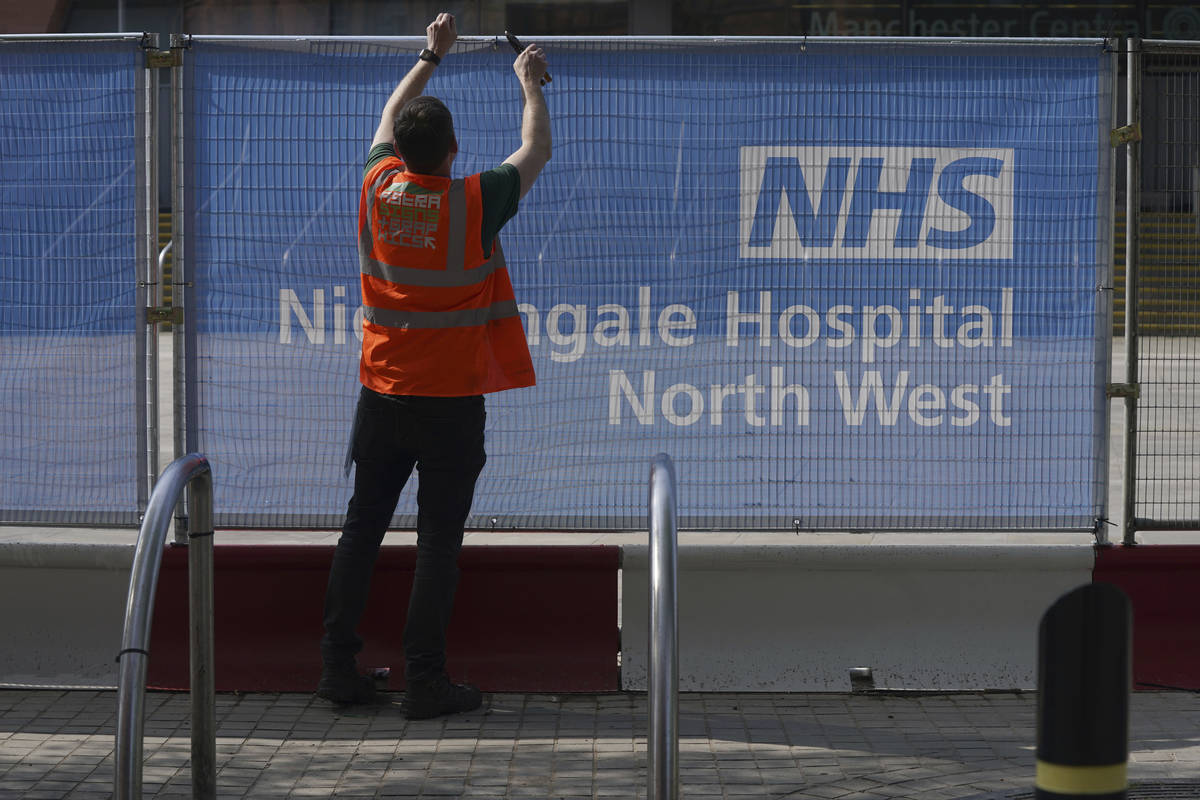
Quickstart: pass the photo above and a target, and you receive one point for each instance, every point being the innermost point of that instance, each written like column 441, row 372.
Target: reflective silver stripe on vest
column 455, row 273
column 431, row 277
column 456, row 228
column 466, row 318
column 365, row 244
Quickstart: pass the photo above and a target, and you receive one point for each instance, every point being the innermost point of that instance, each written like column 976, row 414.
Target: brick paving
column 59, row 744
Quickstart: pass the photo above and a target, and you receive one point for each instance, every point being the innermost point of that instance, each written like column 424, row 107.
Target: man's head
column 424, row 134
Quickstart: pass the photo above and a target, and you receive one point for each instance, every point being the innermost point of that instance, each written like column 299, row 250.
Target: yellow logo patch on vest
column 408, row 216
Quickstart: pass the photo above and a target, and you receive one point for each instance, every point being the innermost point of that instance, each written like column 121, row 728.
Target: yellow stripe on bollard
column 1081, row 780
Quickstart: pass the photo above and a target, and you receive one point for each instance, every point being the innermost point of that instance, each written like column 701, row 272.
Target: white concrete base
column 787, row 617
column 757, row 612
column 64, row 607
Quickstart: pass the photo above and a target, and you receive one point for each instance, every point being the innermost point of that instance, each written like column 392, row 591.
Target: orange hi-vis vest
column 439, row 317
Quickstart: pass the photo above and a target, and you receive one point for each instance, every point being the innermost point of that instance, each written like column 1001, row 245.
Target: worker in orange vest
column 440, row 330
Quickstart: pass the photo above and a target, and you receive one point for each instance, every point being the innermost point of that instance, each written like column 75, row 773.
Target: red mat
column 526, row 619
column 1163, row 585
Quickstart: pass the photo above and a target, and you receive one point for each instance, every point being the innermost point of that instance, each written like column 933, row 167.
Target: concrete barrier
column 786, row 617
column 756, row 612
column 528, row 618
column 1161, row 582
column 525, row 618
column 64, row 605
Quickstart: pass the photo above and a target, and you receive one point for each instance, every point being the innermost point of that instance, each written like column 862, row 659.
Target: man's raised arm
column 439, row 38
column 534, row 152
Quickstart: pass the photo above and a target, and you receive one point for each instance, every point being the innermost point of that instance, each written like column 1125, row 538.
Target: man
column 440, row 330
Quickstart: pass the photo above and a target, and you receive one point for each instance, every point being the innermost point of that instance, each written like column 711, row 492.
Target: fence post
column 181, row 294
column 1133, row 202
column 1084, row 676
column 148, row 278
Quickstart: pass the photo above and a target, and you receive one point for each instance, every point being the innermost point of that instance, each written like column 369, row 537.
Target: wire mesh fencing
column 844, row 283
column 1166, row 487
column 74, row 139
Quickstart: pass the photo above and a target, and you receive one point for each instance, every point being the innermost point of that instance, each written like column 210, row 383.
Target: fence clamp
column 1125, row 134
column 164, row 59
column 171, row 314
column 1133, row 390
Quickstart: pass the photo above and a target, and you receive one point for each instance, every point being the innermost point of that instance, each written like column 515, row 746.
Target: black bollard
column 1084, row 678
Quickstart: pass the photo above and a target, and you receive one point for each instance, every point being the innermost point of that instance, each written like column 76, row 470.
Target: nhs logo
column 876, row 202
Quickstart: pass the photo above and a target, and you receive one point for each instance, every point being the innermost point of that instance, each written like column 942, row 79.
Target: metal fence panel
column 1167, row 484
column 73, row 139
column 843, row 283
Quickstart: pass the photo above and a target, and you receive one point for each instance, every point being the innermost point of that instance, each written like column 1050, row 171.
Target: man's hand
column 530, row 65
column 439, row 37
column 441, row 34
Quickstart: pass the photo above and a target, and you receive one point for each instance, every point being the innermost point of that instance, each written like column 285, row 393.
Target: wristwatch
column 430, row 56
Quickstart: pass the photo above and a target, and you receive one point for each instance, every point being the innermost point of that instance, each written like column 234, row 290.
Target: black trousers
column 443, row 438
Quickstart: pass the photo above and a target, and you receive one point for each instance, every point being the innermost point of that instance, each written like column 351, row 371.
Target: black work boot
column 345, row 686
column 438, row 696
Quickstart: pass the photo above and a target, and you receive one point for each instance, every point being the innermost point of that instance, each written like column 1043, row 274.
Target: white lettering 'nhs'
column 876, row 202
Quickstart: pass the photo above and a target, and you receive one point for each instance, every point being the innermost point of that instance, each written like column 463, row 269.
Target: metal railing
column 190, row 470
column 662, row 745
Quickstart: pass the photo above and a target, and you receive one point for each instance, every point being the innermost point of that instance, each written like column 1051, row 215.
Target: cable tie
column 198, row 535
column 131, row 650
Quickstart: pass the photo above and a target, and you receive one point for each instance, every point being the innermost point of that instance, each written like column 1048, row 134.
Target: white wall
column 796, row 617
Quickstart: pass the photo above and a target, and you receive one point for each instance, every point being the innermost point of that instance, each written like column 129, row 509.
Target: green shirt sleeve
column 378, row 153
column 500, row 189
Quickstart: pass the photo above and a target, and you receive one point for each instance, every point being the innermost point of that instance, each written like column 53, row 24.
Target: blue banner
column 71, row 139
column 843, row 284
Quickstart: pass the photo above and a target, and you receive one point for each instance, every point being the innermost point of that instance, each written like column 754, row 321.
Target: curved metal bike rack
column 662, row 746
column 190, row 470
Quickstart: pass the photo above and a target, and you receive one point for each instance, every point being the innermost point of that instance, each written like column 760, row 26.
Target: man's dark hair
column 424, row 133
